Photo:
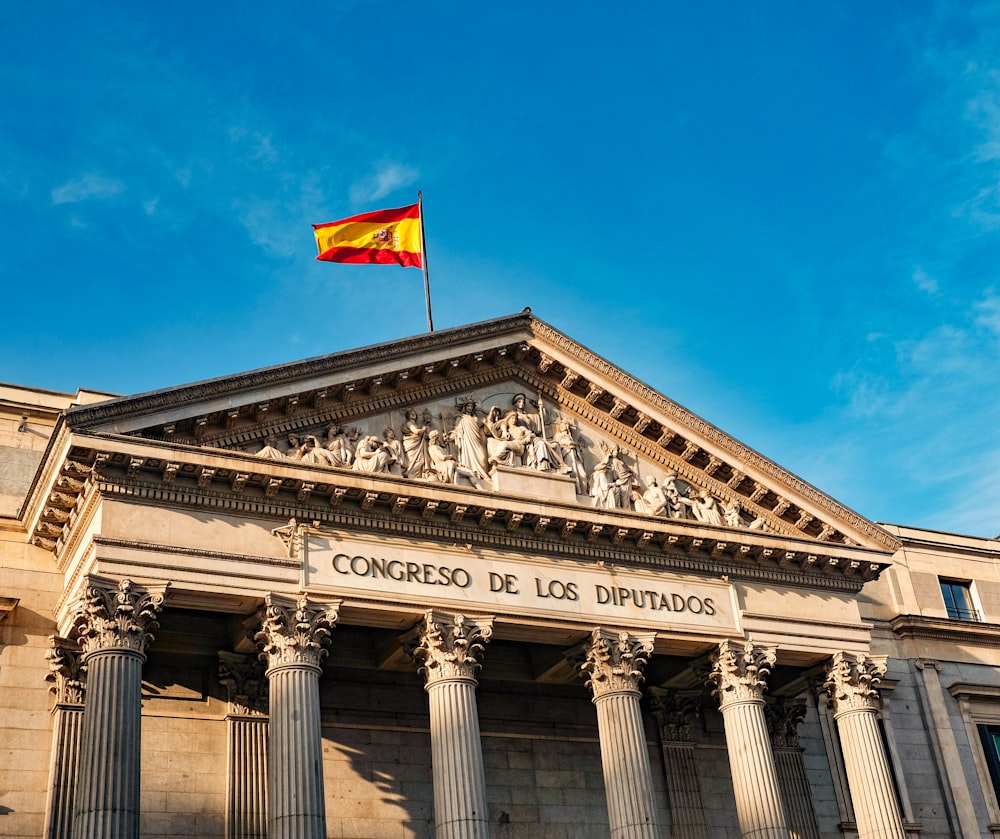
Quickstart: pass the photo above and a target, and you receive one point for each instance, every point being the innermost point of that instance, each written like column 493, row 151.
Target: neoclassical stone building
column 476, row 583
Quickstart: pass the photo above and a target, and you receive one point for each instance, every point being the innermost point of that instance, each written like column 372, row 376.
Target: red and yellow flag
column 385, row 237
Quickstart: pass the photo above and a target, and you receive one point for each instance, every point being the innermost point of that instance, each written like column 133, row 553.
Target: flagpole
column 423, row 259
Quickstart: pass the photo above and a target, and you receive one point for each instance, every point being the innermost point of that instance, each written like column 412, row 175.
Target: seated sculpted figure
column 339, row 445
column 371, row 455
column 652, row 502
column 313, row 452
column 270, row 450
column 706, row 508
column 527, row 430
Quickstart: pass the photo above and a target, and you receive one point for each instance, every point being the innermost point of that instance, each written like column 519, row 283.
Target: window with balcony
column 958, row 600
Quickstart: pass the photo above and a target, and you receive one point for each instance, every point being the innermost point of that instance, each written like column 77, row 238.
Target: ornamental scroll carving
column 784, row 716
column 614, row 660
column 293, row 632
column 67, row 672
column 852, row 682
column 244, row 678
column 740, row 671
column 449, row 646
column 112, row 615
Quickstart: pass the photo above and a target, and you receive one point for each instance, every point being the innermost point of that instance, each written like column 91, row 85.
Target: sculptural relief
column 466, row 440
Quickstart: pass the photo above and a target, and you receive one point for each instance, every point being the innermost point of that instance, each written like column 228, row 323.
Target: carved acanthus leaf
column 448, row 646
column 67, row 672
column 293, row 632
column 740, row 671
column 117, row 615
column 852, row 681
column 614, row 659
column 244, row 679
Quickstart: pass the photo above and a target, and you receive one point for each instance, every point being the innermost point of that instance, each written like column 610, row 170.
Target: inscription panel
column 476, row 580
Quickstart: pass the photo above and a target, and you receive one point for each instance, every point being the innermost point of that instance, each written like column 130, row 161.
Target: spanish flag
column 385, row 237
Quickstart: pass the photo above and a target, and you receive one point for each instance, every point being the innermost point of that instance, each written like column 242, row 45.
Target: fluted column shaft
column 295, row 755
column 783, row 719
column 247, row 724
column 114, row 620
column 739, row 672
column 248, row 772
column 67, row 728
column 628, row 780
column 851, row 683
column 66, row 675
column 460, row 810
column 448, row 648
column 107, row 800
column 291, row 637
column 673, row 711
column 614, row 661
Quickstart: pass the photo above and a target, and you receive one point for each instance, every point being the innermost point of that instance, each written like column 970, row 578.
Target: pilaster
column 246, row 723
column 783, row 719
column 291, row 640
column 739, row 672
column 852, row 682
column 449, row 648
column 114, row 621
column 673, row 711
column 66, row 675
column 613, row 662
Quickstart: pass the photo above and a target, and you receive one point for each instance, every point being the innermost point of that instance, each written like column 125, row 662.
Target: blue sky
column 783, row 215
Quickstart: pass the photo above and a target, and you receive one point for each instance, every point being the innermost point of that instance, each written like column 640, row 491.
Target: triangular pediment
column 509, row 406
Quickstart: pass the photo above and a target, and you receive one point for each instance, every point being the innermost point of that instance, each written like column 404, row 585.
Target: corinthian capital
column 66, row 671
column 852, row 681
column 117, row 615
column 613, row 660
column 449, row 646
column 294, row 631
column 740, row 671
column 783, row 718
column 243, row 676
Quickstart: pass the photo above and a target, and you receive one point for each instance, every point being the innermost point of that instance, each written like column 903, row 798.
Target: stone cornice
column 312, row 368
column 703, row 431
column 239, row 410
column 946, row 630
column 381, row 503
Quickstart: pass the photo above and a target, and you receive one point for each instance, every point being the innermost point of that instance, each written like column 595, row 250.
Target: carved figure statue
column 415, row 446
column 538, row 455
column 678, row 506
column 731, row 513
column 442, row 462
column 371, row 455
column 398, row 463
column 569, row 452
column 652, row 502
column 601, row 487
column 470, row 439
column 706, row 508
column 313, row 452
column 294, row 448
column 339, row 445
column 506, row 440
column 270, row 450
column 622, row 479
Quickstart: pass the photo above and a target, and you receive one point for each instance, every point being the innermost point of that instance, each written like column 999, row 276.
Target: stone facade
column 477, row 583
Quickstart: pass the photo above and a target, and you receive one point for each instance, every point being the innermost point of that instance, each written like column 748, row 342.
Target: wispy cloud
column 924, row 281
column 387, row 178
column 87, row 187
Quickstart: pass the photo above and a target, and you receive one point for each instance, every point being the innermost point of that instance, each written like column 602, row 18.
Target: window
column 990, row 737
column 958, row 600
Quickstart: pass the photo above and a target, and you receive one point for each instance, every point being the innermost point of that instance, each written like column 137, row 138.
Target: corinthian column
column 448, row 648
column 114, row 622
column 851, row 684
column 613, row 663
column 246, row 721
column 739, row 672
column 291, row 639
column 66, row 673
